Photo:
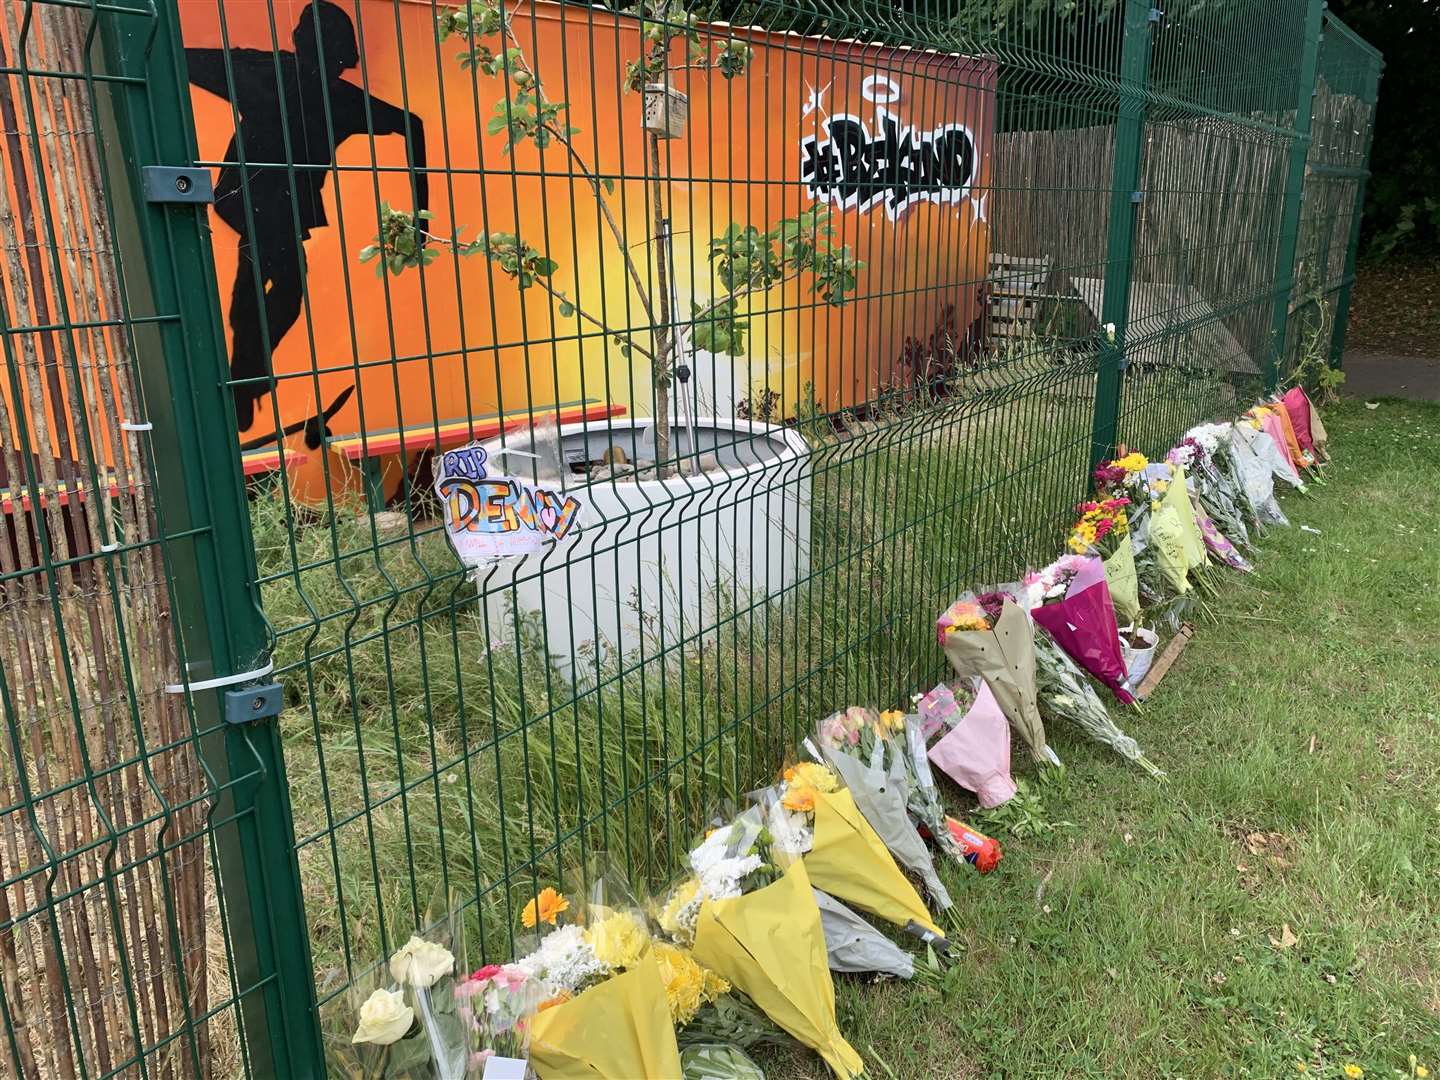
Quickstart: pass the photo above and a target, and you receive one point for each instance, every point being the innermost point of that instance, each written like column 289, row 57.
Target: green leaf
column 567, row 309
column 545, row 267
column 608, row 184
column 496, row 125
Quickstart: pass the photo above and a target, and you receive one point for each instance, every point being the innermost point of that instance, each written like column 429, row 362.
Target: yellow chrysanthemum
column 813, row 774
column 618, row 940
column 1353, row 1071
column 687, row 985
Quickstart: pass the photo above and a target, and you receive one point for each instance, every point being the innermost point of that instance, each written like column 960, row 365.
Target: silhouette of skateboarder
column 303, row 92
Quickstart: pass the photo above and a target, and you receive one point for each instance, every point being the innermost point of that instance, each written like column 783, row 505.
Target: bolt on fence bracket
column 1155, row 15
column 168, row 184
column 1137, row 196
column 253, row 703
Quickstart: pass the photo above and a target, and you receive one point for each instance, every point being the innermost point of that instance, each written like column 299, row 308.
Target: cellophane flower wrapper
column 1066, row 693
column 1206, row 447
column 1297, row 404
column 1299, row 456
column 614, row 1022
column 875, row 772
column 853, row 945
column 1272, row 449
column 1318, row 435
column 1225, row 478
column 617, row 1029
column 429, row 964
column 846, row 857
column 1004, row 656
column 1164, row 538
column 1177, row 496
column 975, row 753
column 926, row 806
column 771, row 945
column 1123, row 580
column 1083, row 624
column 734, row 855
column 718, row 1061
column 496, row 1004
column 347, row 1049
column 1256, row 474
column 1221, row 547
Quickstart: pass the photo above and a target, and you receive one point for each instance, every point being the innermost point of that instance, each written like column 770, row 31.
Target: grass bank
column 1302, row 738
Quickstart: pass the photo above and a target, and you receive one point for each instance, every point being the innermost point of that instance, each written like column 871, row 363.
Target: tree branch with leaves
column 746, row 262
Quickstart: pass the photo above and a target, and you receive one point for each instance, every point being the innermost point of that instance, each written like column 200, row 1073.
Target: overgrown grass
column 1302, row 738
column 432, row 748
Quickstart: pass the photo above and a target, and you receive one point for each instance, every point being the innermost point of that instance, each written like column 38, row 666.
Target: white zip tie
column 126, row 425
column 222, row 680
column 107, row 548
column 517, row 453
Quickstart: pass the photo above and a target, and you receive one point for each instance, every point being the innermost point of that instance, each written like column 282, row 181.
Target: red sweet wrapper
column 981, row 851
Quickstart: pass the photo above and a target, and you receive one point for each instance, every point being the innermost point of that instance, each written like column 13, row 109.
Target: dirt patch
column 1395, row 309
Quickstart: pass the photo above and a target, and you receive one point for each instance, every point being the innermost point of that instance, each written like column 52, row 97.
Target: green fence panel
column 1346, row 89
column 860, row 257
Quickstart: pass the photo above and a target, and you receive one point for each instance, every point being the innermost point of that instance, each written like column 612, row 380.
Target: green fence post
column 203, row 492
column 1284, row 276
column 1342, row 302
column 1125, row 196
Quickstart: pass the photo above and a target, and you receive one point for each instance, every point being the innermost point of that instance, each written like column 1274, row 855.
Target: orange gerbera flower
column 545, row 908
column 550, row 1003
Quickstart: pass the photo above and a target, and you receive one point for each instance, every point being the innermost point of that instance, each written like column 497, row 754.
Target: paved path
column 1375, row 374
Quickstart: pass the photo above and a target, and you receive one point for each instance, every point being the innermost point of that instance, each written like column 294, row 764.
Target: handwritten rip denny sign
column 488, row 517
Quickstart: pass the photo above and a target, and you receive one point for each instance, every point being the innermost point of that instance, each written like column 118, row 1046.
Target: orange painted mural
column 316, row 116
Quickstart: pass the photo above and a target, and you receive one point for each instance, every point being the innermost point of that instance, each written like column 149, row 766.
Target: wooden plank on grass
column 1172, row 652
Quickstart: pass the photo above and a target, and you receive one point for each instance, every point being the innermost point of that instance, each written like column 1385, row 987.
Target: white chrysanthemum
column 564, row 961
column 1210, row 436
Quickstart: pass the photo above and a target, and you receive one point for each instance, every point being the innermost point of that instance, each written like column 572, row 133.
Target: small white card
column 503, row 1068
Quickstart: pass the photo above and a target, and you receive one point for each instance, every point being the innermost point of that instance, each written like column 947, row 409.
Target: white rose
column 421, row 963
column 383, row 1018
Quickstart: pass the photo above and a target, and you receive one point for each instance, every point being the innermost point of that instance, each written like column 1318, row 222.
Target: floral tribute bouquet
column 1066, row 693
column 1305, row 419
column 843, row 854
column 975, row 751
column 939, row 711
column 1211, row 490
column 760, row 933
column 604, row 1011
column 1256, row 474
column 496, row 1005
column 1122, row 476
column 1103, row 529
column 1063, row 692
column 1071, row 601
column 1271, row 444
column 868, row 751
column 992, row 637
column 412, row 1026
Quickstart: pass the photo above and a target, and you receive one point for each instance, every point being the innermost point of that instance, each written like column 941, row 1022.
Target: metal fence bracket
column 252, row 703
column 168, row 184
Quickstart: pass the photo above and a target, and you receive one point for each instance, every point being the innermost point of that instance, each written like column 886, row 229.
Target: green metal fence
column 261, row 722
